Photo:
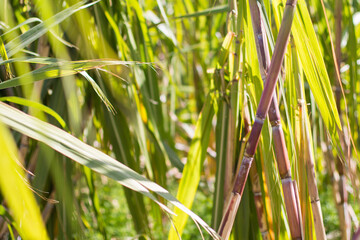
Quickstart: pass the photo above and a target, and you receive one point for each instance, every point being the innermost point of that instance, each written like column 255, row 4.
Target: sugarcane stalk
column 356, row 235
column 293, row 211
column 233, row 98
column 228, row 108
column 343, row 209
column 234, row 95
column 255, row 182
column 264, row 104
column 308, row 157
column 256, row 187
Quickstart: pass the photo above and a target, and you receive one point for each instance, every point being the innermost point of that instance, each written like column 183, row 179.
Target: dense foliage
column 162, row 97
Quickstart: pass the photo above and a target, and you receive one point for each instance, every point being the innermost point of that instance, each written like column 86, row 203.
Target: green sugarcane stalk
column 264, row 104
column 292, row 203
column 308, row 156
column 233, row 108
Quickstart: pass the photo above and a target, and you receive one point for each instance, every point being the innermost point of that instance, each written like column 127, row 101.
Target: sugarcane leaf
column 136, row 121
column 124, row 48
column 79, row 65
column 221, row 142
column 86, row 155
column 314, row 67
column 315, row 71
column 162, row 11
column 164, row 28
column 148, row 83
column 42, row 107
column 5, row 71
column 11, row 222
column 192, row 170
column 206, row 12
column 173, row 157
column 38, row 20
column 16, row 192
column 59, row 68
column 26, row 22
column 98, row 91
column 118, row 135
column 36, row 32
column 243, row 216
column 224, row 51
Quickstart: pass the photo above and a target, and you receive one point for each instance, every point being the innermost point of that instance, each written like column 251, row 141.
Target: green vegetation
column 125, row 119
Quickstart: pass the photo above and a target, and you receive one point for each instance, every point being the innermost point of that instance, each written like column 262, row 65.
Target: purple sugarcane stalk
column 264, row 104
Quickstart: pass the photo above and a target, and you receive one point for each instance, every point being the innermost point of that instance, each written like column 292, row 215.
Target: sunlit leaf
column 15, row 189
column 90, row 157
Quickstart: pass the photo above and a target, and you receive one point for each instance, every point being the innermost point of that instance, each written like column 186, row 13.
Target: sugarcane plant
column 171, row 98
column 289, row 187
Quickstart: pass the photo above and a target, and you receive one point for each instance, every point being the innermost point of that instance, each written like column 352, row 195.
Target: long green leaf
column 192, row 170
column 42, row 107
column 36, row 32
column 5, row 71
column 16, row 192
column 88, row 156
column 315, row 70
column 37, row 20
column 206, row 12
column 61, row 68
